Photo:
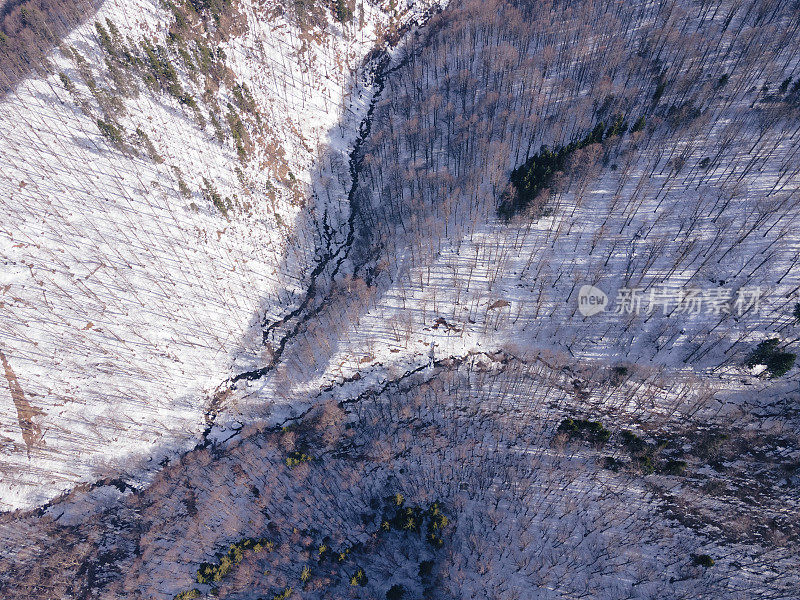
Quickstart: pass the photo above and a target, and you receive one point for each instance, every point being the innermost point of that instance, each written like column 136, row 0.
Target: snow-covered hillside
column 147, row 231
column 493, row 301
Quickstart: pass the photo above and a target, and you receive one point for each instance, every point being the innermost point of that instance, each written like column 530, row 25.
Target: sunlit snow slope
column 154, row 194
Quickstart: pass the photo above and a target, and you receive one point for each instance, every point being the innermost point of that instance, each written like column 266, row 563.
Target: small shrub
column 359, row 578
column 305, row 575
column 633, row 442
column 148, row 145
column 180, row 18
column 437, row 521
column 645, row 464
column 703, row 560
column 105, row 39
column 244, row 98
column 188, row 595
column 343, row 12
column 219, row 132
column 238, row 132
column 590, row 431
column 187, row 59
column 641, row 452
column 776, row 361
column 638, row 125
column 284, row 595
column 674, row 467
column 182, row 187
column 709, row 444
column 612, row 464
column 660, row 88
column 210, row 572
column 617, row 127
column 160, row 67
column 426, row 568
column 110, row 131
column 408, row 519
column 215, row 198
column 296, row 458
column 66, row 82
column 113, row 29
column 618, row 375
column 796, row 88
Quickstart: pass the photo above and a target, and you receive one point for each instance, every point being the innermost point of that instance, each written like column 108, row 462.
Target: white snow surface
column 123, row 303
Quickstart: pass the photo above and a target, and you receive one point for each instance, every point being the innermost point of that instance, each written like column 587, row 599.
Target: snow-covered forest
column 298, row 299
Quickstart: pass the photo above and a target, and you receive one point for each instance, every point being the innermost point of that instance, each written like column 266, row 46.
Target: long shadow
column 333, row 257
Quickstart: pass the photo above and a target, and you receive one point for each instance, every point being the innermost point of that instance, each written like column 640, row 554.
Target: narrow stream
column 331, row 260
column 377, row 67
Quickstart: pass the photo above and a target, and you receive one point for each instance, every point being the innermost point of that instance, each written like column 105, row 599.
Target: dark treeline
column 530, row 178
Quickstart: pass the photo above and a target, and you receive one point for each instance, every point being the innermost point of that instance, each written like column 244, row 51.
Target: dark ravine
column 377, row 67
column 330, row 258
column 378, row 62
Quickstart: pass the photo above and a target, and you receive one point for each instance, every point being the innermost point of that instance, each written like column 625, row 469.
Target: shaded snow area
column 285, row 320
column 135, row 269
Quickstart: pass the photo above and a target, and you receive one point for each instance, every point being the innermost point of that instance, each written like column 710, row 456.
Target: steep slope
column 681, row 187
column 157, row 192
column 444, row 421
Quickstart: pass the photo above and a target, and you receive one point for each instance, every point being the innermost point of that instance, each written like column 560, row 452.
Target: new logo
column 591, row 300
